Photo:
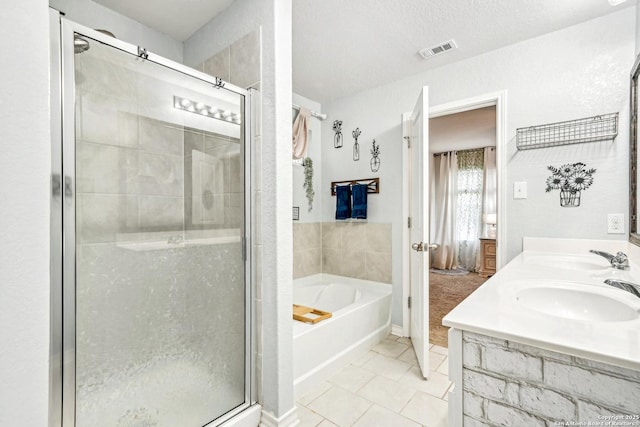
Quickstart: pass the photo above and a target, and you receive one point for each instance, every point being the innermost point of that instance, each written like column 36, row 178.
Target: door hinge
column 142, row 53
column 409, row 302
column 408, row 138
column 409, row 222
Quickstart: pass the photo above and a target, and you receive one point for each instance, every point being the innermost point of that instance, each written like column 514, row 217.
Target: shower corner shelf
column 590, row 129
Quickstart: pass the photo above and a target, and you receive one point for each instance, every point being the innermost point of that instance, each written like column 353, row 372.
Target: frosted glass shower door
column 161, row 318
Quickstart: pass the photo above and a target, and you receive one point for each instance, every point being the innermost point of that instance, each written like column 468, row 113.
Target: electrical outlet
column 615, row 223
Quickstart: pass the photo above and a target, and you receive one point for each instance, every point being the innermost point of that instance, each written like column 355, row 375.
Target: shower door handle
column 56, row 185
column 68, row 186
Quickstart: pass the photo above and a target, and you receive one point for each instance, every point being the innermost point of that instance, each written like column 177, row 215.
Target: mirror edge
column 634, row 237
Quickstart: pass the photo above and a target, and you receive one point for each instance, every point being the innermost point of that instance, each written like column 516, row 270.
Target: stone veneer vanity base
column 505, row 383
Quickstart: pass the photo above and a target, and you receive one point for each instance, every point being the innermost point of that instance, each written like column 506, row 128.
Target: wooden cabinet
column 488, row 256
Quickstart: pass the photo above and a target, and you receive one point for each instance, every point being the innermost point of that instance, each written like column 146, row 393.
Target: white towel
column 300, row 132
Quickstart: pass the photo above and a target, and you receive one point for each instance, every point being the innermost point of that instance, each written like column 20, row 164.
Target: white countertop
column 493, row 310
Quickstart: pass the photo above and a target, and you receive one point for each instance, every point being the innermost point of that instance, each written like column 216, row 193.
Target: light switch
column 520, row 190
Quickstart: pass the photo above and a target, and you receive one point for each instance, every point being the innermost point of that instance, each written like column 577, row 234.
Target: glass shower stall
column 151, row 278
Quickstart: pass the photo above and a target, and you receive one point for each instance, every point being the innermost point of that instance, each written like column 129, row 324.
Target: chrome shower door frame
column 63, row 221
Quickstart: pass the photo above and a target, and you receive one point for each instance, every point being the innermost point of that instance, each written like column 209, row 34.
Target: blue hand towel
column 343, row 201
column 359, row 210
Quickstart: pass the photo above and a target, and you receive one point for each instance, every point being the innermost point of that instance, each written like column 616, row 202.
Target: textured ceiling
column 177, row 18
column 341, row 47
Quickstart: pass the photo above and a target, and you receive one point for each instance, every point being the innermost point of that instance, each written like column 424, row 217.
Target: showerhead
column 80, row 45
column 107, row 32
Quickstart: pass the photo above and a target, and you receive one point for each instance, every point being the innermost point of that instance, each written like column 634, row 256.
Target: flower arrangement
column 375, row 151
column 337, row 138
column 308, row 180
column 375, row 160
column 356, row 147
column 570, row 179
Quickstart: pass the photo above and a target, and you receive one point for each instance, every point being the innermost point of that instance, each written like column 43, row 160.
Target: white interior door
column 419, row 231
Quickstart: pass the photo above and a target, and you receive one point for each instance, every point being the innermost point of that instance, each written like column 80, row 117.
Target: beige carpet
column 445, row 292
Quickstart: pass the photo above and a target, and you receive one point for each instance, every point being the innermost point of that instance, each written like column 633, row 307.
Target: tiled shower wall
column 358, row 250
column 152, row 179
column 134, row 172
column 227, row 151
column 238, row 63
column 136, row 307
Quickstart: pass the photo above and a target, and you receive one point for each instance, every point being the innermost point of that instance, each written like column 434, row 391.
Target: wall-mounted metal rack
column 590, row 129
column 373, row 185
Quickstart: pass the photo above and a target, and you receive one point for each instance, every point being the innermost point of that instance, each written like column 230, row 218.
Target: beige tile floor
column 384, row 388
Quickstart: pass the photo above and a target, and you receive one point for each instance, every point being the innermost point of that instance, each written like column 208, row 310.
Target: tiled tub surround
column 514, row 365
column 361, row 318
column 307, row 249
column 509, row 384
column 350, row 249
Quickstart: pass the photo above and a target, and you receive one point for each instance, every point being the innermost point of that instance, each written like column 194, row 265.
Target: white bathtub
column 361, row 318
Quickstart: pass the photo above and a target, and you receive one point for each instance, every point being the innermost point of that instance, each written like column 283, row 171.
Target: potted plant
column 308, row 180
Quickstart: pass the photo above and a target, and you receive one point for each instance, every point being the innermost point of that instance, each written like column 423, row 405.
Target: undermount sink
column 570, row 262
column 571, row 302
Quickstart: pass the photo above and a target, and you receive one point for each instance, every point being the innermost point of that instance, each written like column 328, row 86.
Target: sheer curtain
column 445, row 172
column 489, row 194
column 469, row 206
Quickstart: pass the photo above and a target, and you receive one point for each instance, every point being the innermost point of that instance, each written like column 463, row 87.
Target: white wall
column 314, row 151
column 573, row 73
column 377, row 113
column 240, row 18
column 275, row 291
column 24, row 185
column 94, row 15
column 638, row 29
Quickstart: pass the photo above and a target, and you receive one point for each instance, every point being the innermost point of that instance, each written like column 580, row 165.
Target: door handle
column 420, row 247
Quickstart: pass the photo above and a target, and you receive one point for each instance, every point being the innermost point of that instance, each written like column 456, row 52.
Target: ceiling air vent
column 436, row 50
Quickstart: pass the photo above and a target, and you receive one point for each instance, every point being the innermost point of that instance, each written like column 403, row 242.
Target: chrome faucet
column 625, row 286
column 619, row 260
